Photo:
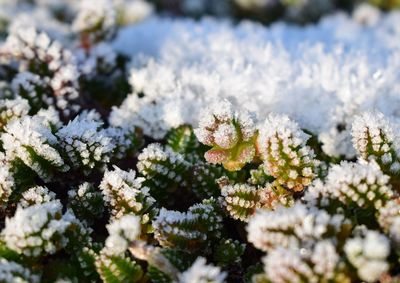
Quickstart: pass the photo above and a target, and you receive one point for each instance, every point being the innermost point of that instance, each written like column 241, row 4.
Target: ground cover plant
column 136, row 147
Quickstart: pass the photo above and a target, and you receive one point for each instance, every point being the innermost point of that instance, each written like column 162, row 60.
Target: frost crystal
column 12, row 109
column 187, row 230
column 47, row 58
column 286, row 265
column 7, row 182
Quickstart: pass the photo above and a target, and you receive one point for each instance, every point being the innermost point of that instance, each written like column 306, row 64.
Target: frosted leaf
column 291, row 227
column 31, row 141
column 125, row 194
column 200, row 272
column 361, row 183
column 96, row 20
column 37, row 230
column 14, row 272
column 376, row 138
column 229, row 132
column 7, row 184
column 36, row 195
column 85, row 143
column 47, row 58
column 294, row 265
column 122, row 231
column 187, row 230
column 282, row 146
column 368, row 255
column 12, row 109
column 389, row 219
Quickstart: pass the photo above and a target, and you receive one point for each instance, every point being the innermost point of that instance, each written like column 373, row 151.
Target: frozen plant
column 122, row 231
column 360, row 183
column 200, row 272
column 95, row 21
column 230, row 134
column 37, row 230
column 376, row 138
column 286, row 156
column 14, row 272
column 85, row 143
column 30, row 141
column 293, row 227
column 126, row 194
column 11, row 109
column 47, row 58
column 368, row 253
column 36, row 195
column 189, row 230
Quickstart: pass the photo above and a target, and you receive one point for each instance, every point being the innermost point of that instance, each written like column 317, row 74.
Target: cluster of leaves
column 84, row 198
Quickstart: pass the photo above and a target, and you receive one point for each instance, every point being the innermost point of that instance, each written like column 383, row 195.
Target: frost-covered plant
column 37, row 230
column 125, row 194
column 321, row 264
column 362, row 184
column 368, row 253
column 229, row 133
column 282, row 146
column 122, row 231
column 31, row 141
column 86, row 202
column 7, row 182
column 11, row 109
column 242, row 200
column 201, row 272
column 189, row 230
column 117, row 268
column 376, row 138
column 13, row 272
column 96, row 21
column 117, row 165
column 294, row 226
column 56, row 66
column 33, row 89
column 389, row 219
column 162, row 167
column 36, row 195
column 85, row 143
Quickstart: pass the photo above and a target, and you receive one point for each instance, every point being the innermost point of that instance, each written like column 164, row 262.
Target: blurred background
column 264, row 11
column 267, row 11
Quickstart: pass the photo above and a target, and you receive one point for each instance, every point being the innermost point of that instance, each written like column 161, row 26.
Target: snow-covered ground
column 320, row 75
